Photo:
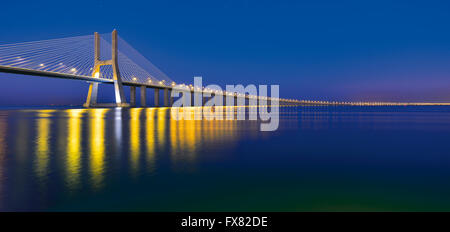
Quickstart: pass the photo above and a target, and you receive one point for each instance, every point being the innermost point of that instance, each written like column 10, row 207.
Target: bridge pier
column 132, row 96
column 92, row 95
column 156, row 97
column 166, row 97
column 143, row 96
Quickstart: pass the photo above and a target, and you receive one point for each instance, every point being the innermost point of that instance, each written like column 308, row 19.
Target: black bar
column 227, row 221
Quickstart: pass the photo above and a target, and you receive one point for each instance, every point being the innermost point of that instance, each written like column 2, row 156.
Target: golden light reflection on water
column 187, row 134
column 97, row 145
column 88, row 155
column 190, row 136
column 161, row 126
column 150, row 139
column 174, row 137
column 42, row 143
column 73, row 158
column 135, row 134
column 60, row 139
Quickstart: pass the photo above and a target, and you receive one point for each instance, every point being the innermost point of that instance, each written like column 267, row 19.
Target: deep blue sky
column 351, row 50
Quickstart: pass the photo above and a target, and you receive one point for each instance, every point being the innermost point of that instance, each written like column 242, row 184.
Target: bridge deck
column 32, row 72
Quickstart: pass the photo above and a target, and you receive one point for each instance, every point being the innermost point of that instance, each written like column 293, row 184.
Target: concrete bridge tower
column 91, row 100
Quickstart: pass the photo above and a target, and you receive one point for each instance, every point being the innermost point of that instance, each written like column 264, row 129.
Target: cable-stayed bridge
column 107, row 58
column 98, row 58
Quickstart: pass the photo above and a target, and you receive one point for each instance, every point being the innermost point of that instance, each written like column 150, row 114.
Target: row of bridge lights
column 73, row 70
column 203, row 89
column 42, row 65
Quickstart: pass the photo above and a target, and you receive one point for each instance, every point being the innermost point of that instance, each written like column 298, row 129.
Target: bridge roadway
column 133, row 85
column 24, row 71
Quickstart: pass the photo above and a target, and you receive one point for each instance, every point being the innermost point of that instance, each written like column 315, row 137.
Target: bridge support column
column 166, row 97
column 120, row 95
column 143, row 96
column 133, row 96
column 92, row 95
column 156, row 97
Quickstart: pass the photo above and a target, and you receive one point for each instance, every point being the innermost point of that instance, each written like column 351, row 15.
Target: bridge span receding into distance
column 96, row 60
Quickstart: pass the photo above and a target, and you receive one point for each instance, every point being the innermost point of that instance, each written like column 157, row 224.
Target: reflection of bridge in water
column 89, row 143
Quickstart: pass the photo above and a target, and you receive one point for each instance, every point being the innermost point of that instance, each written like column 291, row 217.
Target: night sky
column 318, row 50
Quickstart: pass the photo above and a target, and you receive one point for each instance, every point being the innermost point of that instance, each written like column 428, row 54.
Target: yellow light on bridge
column 134, row 79
column 42, row 65
column 73, row 70
column 96, row 74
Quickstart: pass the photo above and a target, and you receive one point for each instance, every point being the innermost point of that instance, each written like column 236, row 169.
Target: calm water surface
column 320, row 159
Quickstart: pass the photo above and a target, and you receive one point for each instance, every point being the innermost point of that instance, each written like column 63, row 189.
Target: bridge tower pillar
column 92, row 95
column 118, row 87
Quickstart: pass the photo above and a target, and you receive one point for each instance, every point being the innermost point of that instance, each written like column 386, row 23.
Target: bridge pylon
column 91, row 100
